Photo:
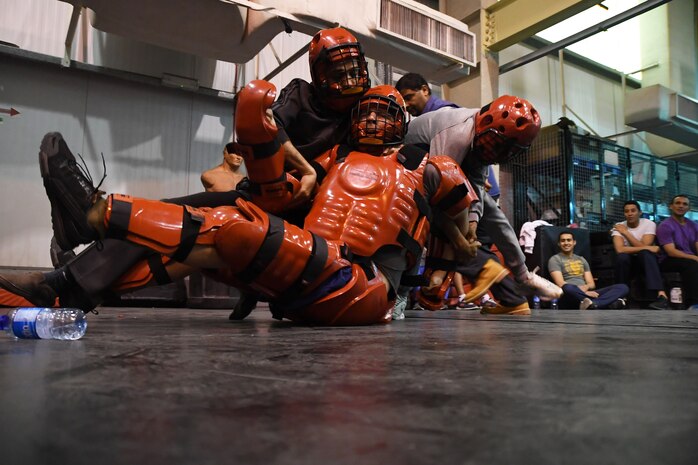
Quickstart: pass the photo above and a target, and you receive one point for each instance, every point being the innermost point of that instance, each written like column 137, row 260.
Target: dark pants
column 505, row 291
column 689, row 276
column 628, row 265
column 573, row 295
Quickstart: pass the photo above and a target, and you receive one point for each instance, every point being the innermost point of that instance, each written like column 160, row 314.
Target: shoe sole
column 521, row 312
column 46, row 299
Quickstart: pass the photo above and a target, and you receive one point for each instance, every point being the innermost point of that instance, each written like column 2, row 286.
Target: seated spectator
column 572, row 273
column 633, row 240
column 226, row 176
column 678, row 237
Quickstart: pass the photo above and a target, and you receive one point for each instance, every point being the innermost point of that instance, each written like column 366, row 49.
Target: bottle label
column 24, row 323
column 675, row 295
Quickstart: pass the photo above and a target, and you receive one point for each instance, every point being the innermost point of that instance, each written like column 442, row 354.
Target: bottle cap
column 4, row 322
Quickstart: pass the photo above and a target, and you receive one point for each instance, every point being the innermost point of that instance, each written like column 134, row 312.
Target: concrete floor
column 177, row 386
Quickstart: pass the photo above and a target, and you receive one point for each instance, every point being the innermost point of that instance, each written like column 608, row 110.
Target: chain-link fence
column 567, row 178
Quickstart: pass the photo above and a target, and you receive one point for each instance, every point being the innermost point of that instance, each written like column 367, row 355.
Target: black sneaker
column 619, row 304
column 70, row 190
column 660, row 304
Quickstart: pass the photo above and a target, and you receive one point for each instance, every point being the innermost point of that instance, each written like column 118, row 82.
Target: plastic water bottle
column 553, row 304
column 536, row 302
column 676, row 298
column 44, row 323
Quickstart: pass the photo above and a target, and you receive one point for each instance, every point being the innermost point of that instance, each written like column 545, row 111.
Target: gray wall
column 156, row 142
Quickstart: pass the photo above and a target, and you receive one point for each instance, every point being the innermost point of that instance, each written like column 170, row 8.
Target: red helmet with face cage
column 505, row 128
column 380, row 118
column 338, row 68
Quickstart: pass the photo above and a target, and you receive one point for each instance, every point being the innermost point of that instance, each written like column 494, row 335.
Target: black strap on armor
column 412, row 156
column 190, row 231
column 343, row 152
column 265, row 149
column 364, row 262
column 440, row 264
column 453, row 197
column 319, row 170
column 317, row 260
column 119, row 220
column 414, row 280
column 158, row 269
column 313, row 267
column 410, row 244
column 268, row 250
column 422, row 205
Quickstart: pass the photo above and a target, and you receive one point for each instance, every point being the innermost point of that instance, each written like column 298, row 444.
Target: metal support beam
column 602, row 26
column 286, row 63
column 510, row 21
column 71, row 35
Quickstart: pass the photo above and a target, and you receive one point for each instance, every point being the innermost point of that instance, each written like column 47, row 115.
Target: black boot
column 70, row 190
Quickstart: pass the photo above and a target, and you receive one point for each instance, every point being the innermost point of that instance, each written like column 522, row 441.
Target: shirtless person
column 226, row 176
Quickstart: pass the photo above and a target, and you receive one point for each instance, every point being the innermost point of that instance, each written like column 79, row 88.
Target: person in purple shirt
column 417, row 94
column 678, row 237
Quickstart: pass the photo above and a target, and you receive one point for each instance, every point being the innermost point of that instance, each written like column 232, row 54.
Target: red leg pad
column 241, row 242
column 158, row 225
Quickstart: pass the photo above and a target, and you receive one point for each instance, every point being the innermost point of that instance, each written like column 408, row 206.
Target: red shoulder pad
column 455, row 193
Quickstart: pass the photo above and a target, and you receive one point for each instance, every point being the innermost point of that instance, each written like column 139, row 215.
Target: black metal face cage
column 495, row 147
column 377, row 120
column 337, row 64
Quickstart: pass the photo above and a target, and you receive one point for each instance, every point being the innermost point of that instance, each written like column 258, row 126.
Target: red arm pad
column 455, row 193
column 264, row 156
column 251, row 123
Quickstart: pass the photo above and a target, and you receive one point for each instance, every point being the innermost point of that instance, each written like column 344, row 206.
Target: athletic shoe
column 660, row 304
column 70, row 190
column 538, row 285
column 587, row 304
column 31, row 286
column 619, row 304
column 399, row 308
column 490, row 274
column 521, row 309
column 463, row 305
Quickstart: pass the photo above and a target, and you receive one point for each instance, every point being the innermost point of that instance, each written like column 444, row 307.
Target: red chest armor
column 366, row 201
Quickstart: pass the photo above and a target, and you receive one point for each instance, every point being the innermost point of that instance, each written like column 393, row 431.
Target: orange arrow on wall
column 10, row 111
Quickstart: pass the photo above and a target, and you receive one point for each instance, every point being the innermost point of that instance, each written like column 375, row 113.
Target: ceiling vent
column 663, row 112
column 443, row 35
